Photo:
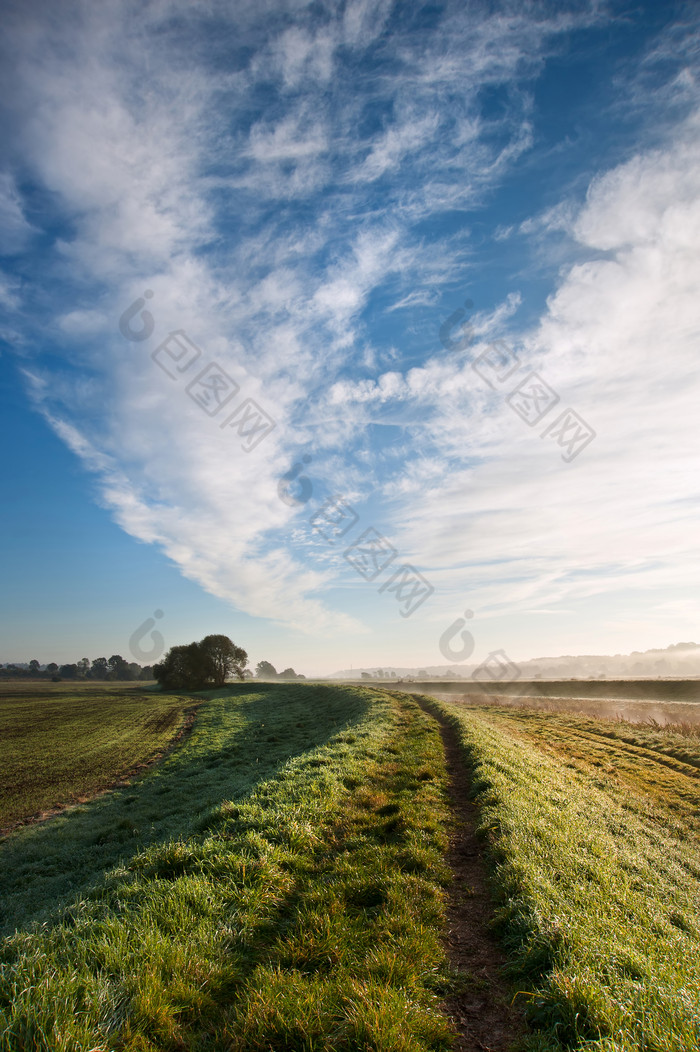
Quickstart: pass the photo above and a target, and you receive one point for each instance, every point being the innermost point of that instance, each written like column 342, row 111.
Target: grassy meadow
column 63, row 745
column 278, row 880
column 592, row 830
column 274, row 884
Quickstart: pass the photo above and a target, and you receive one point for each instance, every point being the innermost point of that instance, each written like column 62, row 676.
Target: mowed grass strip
column 65, row 745
column 304, row 914
column 598, row 893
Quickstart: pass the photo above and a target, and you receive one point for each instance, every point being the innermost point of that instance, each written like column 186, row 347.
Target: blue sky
column 311, row 193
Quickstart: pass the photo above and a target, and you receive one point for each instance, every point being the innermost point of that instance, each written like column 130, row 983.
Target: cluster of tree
column 195, row 666
column 210, row 662
column 264, row 670
column 101, row 668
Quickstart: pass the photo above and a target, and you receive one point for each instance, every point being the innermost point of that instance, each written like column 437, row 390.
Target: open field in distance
column 639, row 701
column 666, row 690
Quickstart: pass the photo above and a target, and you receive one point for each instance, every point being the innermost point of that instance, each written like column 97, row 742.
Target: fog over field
column 681, row 660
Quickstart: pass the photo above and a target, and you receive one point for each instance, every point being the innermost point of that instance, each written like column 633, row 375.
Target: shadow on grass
column 242, row 736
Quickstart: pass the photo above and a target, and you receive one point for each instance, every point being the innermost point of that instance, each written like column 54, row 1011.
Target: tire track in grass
column 480, row 1005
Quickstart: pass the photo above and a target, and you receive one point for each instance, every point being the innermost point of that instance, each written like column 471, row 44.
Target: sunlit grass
column 592, row 833
column 298, row 906
column 687, row 730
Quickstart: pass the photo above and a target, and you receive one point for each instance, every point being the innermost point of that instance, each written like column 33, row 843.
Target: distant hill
column 679, row 659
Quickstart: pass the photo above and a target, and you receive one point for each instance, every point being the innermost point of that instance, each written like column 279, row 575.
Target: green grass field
column 278, row 882
column 63, row 745
column 592, row 829
column 277, row 886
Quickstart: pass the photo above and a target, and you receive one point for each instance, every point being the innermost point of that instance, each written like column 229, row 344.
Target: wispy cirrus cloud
column 618, row 343
column 272, row 174
column 15, row 229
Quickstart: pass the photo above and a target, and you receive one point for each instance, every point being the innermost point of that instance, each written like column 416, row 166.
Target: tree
column 68, row 671
column 34, row 666
column 288, row 673
column 118, row 667
column 52, row 667
column 180, row 669
column 83, row 666
column 99, row 668
column 264, row 670
column 195, row 666
column 225, row 658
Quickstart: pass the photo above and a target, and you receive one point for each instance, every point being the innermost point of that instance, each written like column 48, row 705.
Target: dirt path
column 480, row 1008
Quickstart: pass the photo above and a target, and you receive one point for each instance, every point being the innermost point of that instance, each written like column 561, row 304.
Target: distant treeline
column 265, row 670
column 114, row 668
column 117, row 668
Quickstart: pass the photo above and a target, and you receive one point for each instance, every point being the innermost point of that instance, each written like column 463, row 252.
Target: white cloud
column 15, row 230
column 364, row 20
column 286, row 141
column 170, row 178
column 171, row 476
column 9, row 291
column 388, row 151
column 303, row 55
column 418, row 298
column 618, row 342
column 489, row 508
column 372, row 257
column 85, row 323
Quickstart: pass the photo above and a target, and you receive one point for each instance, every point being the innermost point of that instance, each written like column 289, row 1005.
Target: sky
column 350, row 330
